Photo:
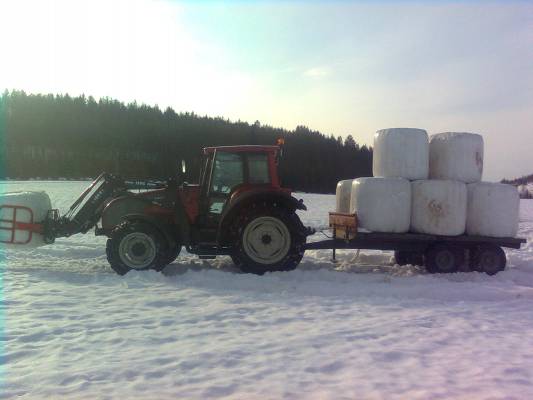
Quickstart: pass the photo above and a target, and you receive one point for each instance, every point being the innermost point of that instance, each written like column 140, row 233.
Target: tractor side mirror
column 183, row 167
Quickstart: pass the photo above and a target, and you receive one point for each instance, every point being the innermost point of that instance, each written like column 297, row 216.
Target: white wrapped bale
column 401, row 152
column 37, row 202
column 343, row 196
column 382, row 204
column 492, row 210
column 438, row 207
column 457, row 156
column 525, row 192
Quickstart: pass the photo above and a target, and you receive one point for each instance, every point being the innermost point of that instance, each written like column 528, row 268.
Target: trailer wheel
column 136, row 245
column 488, row 258
column 403, row 257
column 267, row 239
column 442, row 258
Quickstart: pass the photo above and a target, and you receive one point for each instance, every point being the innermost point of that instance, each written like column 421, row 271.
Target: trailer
column 439, row 254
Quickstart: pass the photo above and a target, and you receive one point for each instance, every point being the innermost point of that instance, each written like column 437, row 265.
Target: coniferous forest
column 52, row 136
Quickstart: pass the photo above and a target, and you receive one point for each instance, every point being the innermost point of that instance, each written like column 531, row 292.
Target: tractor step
column 207, row 257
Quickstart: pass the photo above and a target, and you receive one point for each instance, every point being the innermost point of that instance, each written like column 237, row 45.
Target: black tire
column 403, row 257
column 171, row 255
column 488, row 258
column 136, row 245
column 267, row 238
column 443, row 258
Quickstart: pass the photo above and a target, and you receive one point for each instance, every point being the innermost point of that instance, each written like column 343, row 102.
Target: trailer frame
column 408, row 241
column 437, row 252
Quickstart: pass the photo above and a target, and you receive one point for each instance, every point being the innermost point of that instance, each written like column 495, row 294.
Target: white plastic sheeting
column 492, row 210
column 401, row 152
column 343, row 195
column 382, row 204
column 438, row 207
column 457, row 156
column 37, row 202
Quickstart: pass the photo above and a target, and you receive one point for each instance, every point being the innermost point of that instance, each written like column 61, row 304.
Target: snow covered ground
column 364, row 329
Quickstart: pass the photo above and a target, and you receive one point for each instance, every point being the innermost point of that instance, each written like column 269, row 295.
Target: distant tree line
column 523, row 180
column 51, row 136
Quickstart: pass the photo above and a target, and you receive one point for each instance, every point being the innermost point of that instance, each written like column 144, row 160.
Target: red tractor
column 237, row 209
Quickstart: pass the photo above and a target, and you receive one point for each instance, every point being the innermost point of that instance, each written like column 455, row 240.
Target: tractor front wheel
column 267, row 239
column 136, row 246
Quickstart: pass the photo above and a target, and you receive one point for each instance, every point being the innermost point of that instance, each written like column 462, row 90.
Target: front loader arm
column 86, row 210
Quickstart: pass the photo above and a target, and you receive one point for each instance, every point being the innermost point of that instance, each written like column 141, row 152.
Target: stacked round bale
column 440, row 202
column 432, row 186
column 491, row 208
column 383, row 202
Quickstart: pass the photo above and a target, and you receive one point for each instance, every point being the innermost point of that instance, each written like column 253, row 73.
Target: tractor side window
column 227, row 172
column 258, row 168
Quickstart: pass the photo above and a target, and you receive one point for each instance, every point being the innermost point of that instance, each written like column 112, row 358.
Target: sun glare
column 130, row 50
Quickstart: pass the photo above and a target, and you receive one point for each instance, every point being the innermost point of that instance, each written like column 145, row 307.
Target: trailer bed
column 408, row 241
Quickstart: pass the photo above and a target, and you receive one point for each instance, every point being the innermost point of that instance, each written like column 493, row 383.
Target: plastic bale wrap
column 38, row 202
column 382, row 204
column 438, row 207
column 401, row 152
column 343, row 196
column 492, row 210
column 457, row 156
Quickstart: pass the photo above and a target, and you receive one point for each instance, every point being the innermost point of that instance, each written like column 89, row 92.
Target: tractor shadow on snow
column 221, row 263
column 365, row 264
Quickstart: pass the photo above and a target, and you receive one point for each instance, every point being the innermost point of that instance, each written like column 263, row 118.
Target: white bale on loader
column 401, row 152
column 22, row 207
column 438, row 207
column 492, row 209
column 382, row 204
column 343, row 196
column 456, row 156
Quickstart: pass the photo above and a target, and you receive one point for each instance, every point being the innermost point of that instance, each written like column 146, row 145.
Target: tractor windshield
column 227, row 172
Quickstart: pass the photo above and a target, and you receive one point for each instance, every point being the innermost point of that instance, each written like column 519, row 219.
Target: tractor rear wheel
column 136, row 245
column 267, row 238
column 171, row 255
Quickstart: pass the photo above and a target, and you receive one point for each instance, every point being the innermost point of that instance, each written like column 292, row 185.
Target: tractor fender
column 115, row 210
column 237, row 203
column 160, row 225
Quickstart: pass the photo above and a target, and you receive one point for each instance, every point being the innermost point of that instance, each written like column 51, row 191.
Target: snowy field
column 364, row 329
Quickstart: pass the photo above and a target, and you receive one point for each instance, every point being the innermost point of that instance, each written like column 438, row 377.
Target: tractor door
column 222, row 171
column 228, row 171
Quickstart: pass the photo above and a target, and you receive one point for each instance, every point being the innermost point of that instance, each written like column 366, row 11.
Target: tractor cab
column 230, row 170
column 227, row 173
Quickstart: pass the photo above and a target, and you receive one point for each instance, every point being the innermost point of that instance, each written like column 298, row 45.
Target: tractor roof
column 242, row 149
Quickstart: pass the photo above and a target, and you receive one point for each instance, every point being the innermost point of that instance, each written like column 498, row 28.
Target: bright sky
column 339, row 67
